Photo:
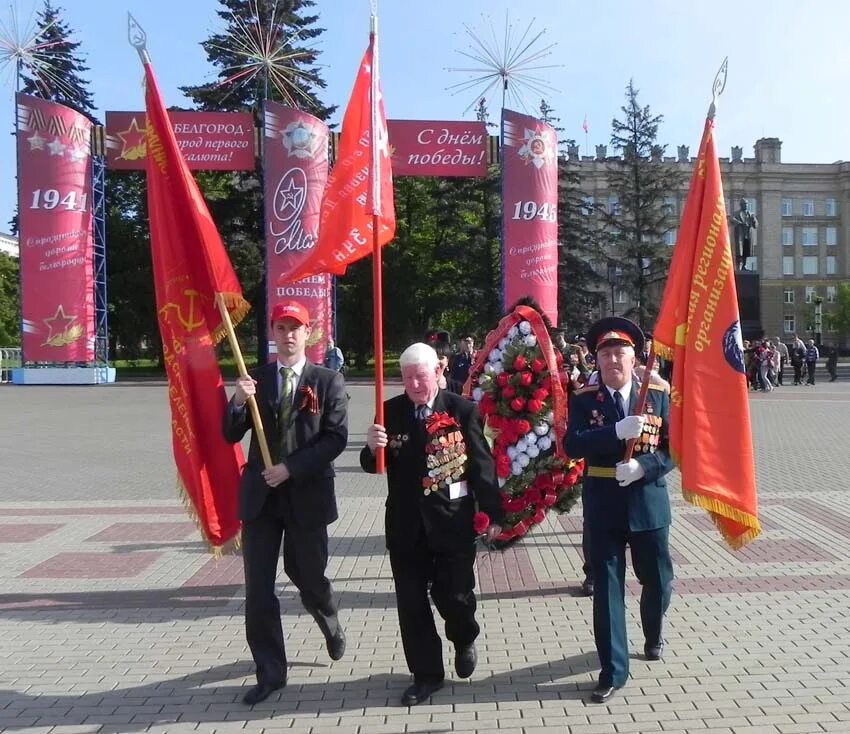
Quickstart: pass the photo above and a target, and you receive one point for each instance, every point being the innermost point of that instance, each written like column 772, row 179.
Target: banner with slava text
column 56, row 237
column 295, row 164
column 191, row 269
column 699, row 329
column 529, row 212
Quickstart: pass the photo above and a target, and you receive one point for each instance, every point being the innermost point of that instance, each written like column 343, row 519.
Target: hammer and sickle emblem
column 191, row 321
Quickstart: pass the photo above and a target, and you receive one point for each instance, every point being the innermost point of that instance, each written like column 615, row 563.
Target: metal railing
column 9, row 360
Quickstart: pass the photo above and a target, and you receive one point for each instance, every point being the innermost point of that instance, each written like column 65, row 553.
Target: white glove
column 629, row 472
column 629, row 427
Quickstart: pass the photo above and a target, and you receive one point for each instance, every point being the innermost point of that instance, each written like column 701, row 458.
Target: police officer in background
column 625, row 503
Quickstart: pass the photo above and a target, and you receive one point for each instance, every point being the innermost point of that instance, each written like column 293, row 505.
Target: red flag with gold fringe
column 699, row 329
column 191, row 269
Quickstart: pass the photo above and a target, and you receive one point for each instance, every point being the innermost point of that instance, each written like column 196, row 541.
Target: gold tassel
column 718, row 509
column 217, row 551
column 238, row 308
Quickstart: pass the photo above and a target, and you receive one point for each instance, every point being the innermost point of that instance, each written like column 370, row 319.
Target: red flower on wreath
column 502, row 379
column 522, row 426
column 525, row 379
column 537, row 366
column 508, row 392
column 520, row 363
column 517, row 404
column 534, row 406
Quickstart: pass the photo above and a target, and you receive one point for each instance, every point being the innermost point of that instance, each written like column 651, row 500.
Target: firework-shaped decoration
column 510, row 62
column 23, row 48
column 264, row 54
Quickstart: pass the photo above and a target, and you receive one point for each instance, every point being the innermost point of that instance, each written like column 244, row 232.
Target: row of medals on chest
column 445, row 460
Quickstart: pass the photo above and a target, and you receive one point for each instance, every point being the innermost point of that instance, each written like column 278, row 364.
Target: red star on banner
column 57, row 324
column 133, row 142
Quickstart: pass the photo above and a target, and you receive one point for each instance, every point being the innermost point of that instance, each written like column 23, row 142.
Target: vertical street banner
column 295, row 162
column 529, row 212
column 56, row 237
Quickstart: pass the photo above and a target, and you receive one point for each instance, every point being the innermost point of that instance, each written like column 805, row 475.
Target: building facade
column 9, row 244
column 801, row 248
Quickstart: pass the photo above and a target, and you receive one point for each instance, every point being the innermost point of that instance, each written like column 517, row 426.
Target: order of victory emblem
column 299, row 140
column 536, row 148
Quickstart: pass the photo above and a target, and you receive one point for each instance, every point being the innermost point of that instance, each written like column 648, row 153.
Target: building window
column 670, row 206
column 831, row 265
column 831, row 236
column 614, row 205
column 789, row 295
column 587, row 206
column 787, row 208
column 620, row 296
column 790, row 326
column 808, row 207
column 810, row 236
column 810, row 293
column 788, row 265
column 751, row 205
column 670, row 237
column 830, row 294
column 831, row 208
column 788, row 236
column 810, row 265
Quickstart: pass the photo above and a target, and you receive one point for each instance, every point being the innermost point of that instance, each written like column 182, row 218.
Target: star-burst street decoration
column 21, row 48
column 510, row 64
column 266, row 54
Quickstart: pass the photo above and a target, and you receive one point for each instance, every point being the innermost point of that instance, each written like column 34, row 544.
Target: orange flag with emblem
column 191, row 268
column 699, row 329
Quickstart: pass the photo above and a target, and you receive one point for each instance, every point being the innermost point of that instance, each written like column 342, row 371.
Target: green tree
column 10, row 301
column 838, row 318
column 236, row 200
column 61, row 76
column 579, row 285
column 636, row 225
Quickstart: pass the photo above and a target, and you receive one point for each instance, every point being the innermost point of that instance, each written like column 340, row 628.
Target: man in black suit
column 438, row 467
column 304, row 411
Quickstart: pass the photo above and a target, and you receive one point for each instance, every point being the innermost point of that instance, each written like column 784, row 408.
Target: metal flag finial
column 718, row 86
column 137, row 37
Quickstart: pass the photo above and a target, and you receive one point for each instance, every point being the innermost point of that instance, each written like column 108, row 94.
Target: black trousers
column 305, row 558
column 452, row 580
column 587, row 566
column 810, row 372
column 798, row 373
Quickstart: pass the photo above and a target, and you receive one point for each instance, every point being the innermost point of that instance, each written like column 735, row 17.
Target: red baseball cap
column 290, row 310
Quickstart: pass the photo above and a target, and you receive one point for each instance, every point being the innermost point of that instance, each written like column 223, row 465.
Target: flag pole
column 377, row 279
column 259, row 432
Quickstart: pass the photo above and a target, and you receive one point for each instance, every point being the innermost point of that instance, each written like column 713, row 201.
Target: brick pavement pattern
column 113, row 617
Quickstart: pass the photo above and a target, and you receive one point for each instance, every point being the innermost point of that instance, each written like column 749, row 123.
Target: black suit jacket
column 307, row 497
column 446, row 523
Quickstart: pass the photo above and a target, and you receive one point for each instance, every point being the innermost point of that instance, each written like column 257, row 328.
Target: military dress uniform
column 637, row 515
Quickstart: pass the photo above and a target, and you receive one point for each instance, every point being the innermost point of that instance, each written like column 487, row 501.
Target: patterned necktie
column 618, row 401
column 285, row 410
column 421, row 412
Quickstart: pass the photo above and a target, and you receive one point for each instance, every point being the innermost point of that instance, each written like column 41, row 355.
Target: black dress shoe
column 466, row 658
column 261, row 692
column 587, row 587
column 336, row 644
column 419, row 692
column 601, row 694
column 653, row 652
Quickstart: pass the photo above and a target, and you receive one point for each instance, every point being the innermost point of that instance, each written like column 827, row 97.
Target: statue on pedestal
column 744, row 222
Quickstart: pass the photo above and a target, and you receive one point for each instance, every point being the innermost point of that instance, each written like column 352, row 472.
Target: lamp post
column 818, row 319
column 613, row 281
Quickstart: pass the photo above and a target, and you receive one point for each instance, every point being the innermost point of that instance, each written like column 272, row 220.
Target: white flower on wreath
column 512, row 332
column 503, row 342
column 530, row 340
column 524, row 328
column 489, row 369
column 541, row 429
column 521, row 445
column 530, row 438
column 477, row 394
column 544, row 443
column 516, row 468
column 533, row 452
column 523, row 460
column 495, row 356
column 511, row 452
column 498, row 368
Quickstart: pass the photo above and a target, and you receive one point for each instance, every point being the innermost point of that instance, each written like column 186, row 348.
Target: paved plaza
column 114, row 618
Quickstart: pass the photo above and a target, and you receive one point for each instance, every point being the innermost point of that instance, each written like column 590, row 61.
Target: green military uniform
column 637, row 515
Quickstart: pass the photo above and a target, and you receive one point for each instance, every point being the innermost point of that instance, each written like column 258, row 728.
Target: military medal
column 445, row 452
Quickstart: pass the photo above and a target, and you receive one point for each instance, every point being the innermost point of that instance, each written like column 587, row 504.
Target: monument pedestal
column 749, row 304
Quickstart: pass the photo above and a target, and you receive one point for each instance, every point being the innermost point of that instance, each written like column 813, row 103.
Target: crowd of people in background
column 767, row 362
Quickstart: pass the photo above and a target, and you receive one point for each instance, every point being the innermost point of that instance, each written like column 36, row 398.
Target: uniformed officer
column 625, row 503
